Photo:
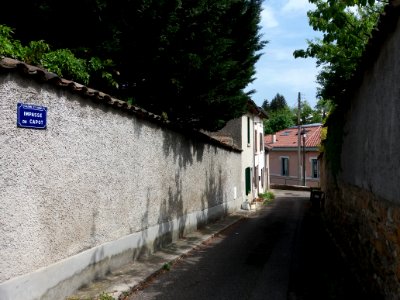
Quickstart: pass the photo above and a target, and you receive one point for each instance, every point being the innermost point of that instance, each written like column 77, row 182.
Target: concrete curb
column 290, row 187
column 134, row 275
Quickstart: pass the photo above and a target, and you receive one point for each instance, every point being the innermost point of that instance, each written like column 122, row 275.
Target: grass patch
column 267, row 197
column 167, row 266
column 105, row 296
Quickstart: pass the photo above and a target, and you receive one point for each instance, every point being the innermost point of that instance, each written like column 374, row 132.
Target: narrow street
column 279, row 252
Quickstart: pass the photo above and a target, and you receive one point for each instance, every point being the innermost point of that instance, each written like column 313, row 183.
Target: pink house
column 288, row 163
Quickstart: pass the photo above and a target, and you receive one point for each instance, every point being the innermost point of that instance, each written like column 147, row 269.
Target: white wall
column 259, row 156
column 247, row 153
column 97, row 183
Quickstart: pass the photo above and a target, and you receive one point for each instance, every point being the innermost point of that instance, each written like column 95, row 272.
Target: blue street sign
column 31, row 116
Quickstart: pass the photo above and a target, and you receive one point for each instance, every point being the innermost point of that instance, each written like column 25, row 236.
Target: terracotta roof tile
column 288, row 138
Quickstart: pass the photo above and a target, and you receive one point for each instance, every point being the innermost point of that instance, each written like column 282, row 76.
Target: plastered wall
column 97, row 175
column 371, row 148
column 363, row 202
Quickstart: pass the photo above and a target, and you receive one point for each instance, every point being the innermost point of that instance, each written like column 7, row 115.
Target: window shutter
column 248, row 180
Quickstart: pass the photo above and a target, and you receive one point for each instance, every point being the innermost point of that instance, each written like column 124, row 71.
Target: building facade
column 291, row 162
column 247, row 134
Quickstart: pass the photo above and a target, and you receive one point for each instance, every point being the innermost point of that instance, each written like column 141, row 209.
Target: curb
column 134, row 276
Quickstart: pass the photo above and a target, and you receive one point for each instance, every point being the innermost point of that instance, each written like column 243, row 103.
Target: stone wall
column 367, row 228
column 363, row 201
column 96, row 188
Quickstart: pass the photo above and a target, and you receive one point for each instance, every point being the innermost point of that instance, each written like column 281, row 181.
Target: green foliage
column 345, row 34
column 65, row 64
column 278, row 120
column 189, row 59
column 98, row 67
column 307, row 114
column 8, row 46
column 332, row 145
column 281, row 116
column 35, row 51
column 167, row 266
column 265, row 106
column 105, row 296
column 268, row 197
column 62, row 61
column 278, row 103
column 324, row 107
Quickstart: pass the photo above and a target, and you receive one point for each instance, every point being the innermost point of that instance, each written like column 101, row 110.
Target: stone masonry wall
column 363, row 202
column 367, row 228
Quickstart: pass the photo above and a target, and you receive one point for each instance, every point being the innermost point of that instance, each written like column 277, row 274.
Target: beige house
column 247, row 134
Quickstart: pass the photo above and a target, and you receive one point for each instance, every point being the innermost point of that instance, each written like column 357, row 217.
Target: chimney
column 273, row 138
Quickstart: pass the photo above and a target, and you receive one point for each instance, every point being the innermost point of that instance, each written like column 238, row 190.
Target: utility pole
column 304, row 158
column 299, row 137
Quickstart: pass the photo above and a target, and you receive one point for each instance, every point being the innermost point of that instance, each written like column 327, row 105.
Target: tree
column 278, row 120
column 324, row 107
column 345, row 34
column 278, row 103
column 189, row 60
column 265, row 106
column 61, row 61
column 307, row 114
column 279, row 115
column 346, row 26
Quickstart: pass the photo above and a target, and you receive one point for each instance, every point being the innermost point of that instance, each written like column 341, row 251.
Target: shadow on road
column 280, row 252
column 319, row 271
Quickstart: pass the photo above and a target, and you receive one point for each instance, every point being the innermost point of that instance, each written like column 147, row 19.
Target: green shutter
column 248, row 181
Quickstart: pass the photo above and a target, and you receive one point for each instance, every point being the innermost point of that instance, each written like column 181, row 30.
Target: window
column 248, row 180
column 262, row 177
column 248, row 131
column 255, row 142
column 285, row 166
column 314, row 168
column 255, row 177
column 261, row 142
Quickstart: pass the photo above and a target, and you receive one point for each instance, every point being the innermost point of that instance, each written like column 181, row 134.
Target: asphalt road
column 280, row 252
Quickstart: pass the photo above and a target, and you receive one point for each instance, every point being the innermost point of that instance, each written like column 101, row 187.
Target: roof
column 288, row 138
column 9, row 65
column 258, row 111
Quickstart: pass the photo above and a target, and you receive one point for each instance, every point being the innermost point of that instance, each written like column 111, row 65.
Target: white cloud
column 300, row 6
column 268, row 19
column 285, row 24
column 287, row 78
column 292, row 78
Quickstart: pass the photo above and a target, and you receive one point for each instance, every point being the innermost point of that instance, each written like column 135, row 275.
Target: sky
column 285, row 25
